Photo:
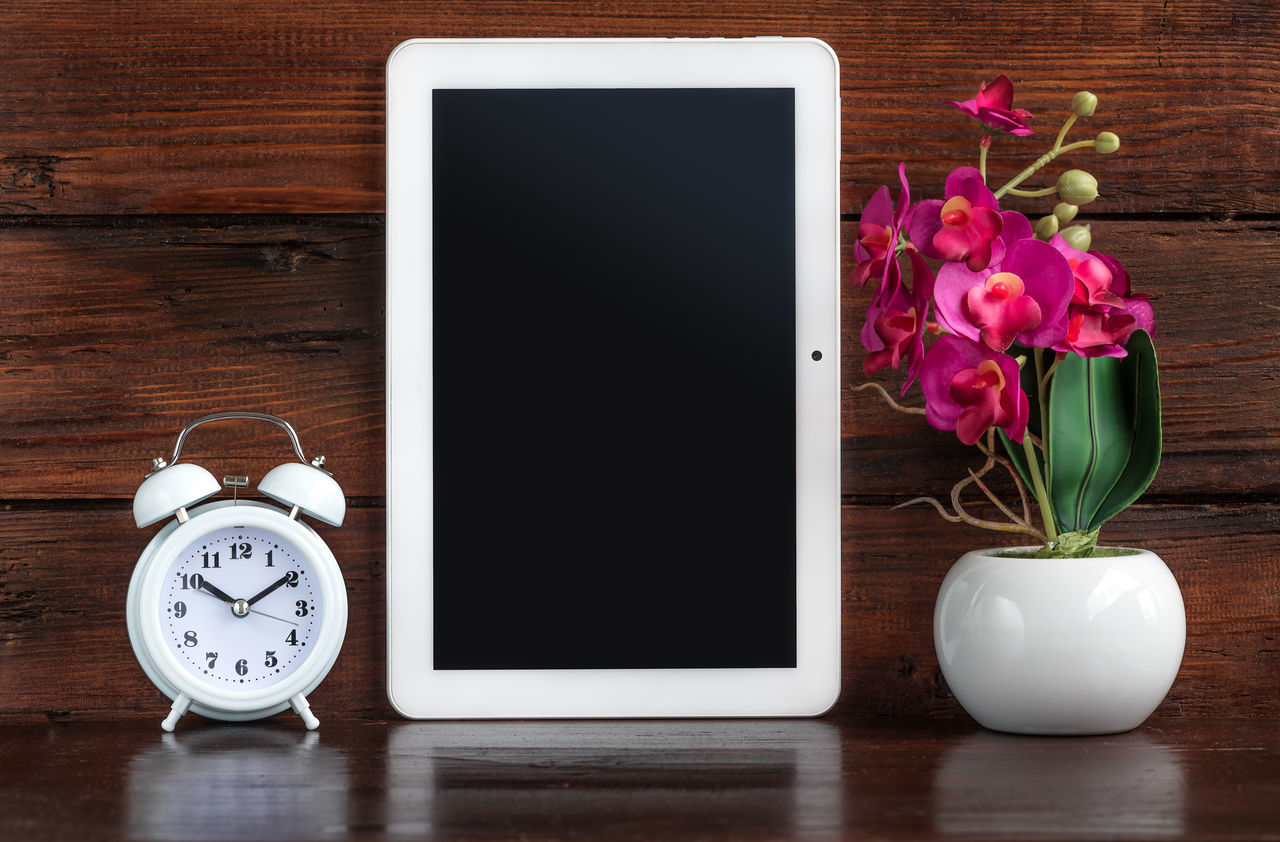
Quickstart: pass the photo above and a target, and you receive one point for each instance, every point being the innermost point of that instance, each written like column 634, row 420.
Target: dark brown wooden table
column 891, row 779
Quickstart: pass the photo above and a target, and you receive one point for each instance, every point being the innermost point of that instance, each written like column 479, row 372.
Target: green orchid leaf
column 1143, row 379
column 1104, row 434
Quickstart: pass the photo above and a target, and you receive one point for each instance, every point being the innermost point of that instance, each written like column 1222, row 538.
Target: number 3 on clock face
column 240, row 607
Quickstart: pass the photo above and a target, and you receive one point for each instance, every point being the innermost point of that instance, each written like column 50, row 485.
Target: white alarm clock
column 237, row 609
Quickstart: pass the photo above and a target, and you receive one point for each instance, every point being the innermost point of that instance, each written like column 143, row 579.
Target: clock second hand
column 272, row 616
column 222, row 597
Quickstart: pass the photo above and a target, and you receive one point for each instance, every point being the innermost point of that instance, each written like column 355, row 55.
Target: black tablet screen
column 614, row 378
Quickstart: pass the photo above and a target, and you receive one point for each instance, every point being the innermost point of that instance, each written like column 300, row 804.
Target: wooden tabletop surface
column 887, row 779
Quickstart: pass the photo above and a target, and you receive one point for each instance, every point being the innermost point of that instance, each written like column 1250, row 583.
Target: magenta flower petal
column 897, row 329
column 1045, row 278
column 998, row 94
column 968, row 182
column 922, row 282
column 993, row 107
column 1014, row 227
column 964, row 226
column 879, row 210
column 879, row 232
column 1048, row 281
column 1143, row 315
column 904, row 198
column 1000, row 310
column 1093, row 333
column 1103, row 312
column 926, row 221
column 894, row 298
column 969, row 388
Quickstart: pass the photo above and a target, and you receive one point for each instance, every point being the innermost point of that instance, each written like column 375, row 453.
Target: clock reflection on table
column 237, row 782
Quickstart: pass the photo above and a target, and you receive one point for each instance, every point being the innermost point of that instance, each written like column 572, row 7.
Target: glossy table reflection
column 810, row 779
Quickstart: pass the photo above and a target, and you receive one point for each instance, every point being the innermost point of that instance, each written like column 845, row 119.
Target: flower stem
column 1042, row 392
column 1033, row 464
column 1044, row 159
column 1042, row 496
column 1034, row 194
column 1035, row 167
column 982, row 158
column 1062, row 133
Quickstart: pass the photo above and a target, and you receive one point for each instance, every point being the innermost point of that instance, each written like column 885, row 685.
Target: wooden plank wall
column 192, row 200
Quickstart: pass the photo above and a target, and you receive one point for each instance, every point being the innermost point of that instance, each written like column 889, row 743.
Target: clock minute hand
column 217, row 592
column 269, row 588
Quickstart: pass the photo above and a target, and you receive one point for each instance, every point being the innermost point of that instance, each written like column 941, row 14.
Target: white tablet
column 613, row 378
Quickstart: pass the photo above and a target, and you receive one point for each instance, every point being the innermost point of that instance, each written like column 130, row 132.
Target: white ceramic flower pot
column 1059, row 646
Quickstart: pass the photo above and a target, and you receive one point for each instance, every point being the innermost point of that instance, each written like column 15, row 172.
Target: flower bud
column 1078, row 237
column 1106, row 143
column 1083, row 104
column 1047, row 227
column 1077, row 187
column 1065, row 212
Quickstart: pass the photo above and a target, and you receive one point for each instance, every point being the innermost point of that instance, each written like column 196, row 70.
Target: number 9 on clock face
column 240, row 607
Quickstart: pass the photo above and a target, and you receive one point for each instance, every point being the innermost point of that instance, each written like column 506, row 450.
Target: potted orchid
column 1034, row 349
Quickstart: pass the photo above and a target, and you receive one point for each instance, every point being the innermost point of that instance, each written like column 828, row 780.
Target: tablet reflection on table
column 782, row 778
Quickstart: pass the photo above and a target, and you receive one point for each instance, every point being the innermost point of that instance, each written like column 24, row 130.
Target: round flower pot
column 1059, row 646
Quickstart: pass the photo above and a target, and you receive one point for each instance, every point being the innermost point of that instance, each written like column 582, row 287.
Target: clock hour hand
column 220, row 594
column 271, row 587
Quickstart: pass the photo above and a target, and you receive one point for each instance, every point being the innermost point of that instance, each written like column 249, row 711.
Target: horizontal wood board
column 194, row 196
column 64, row 574
column 195, row 107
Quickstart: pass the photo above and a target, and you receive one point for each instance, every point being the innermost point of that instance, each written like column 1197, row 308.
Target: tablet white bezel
column 413, row 70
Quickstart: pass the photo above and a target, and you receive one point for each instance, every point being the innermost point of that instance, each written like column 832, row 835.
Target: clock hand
column 272, row 616
column 269, row 588
column 216, row 592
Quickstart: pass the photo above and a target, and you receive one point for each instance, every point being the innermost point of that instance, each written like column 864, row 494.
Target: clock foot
column 300, row 707
column 180, row 706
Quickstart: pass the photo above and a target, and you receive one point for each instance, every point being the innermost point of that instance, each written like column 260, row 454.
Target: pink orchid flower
column 878, row 235
column 1024, row 298
column 964, row 226
column 895, row 331
column 895, row 327
column 1103, row 312
column 993, row 108
column 969, row 388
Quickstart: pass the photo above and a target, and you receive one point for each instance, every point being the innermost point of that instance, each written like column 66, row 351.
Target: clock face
column 241, row 608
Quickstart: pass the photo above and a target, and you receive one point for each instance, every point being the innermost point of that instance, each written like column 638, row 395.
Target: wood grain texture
column 842, row 778
column 194, row 189
column 114, row 337
column 197, row 107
